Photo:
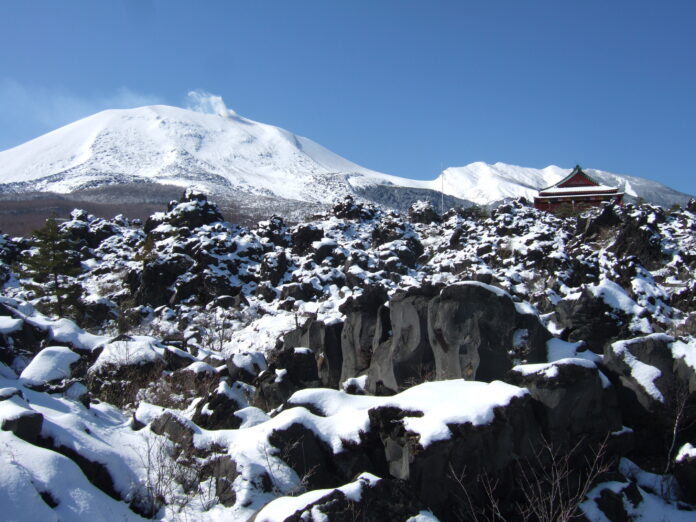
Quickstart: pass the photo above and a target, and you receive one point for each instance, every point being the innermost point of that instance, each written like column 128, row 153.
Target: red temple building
column 578, row 191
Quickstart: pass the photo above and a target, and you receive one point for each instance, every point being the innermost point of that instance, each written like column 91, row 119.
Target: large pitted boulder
column 575, row 401
column 406, row 358
column 359, row 328
column 289, row 370
column 369, row 497
column 325, row 341
column 470, row 327
column 656, row 378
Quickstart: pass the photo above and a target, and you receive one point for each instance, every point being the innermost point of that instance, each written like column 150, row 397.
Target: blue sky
column 402, row 87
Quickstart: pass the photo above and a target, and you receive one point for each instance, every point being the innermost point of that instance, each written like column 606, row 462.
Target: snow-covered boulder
column 51, row 364
column 18, row 417
column 423, row 212
column 216, row 411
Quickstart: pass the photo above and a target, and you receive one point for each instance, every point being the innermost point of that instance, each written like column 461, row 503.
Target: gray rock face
column 359, row 330
column 325, row 341
column 407, row 357
column 575, row 404
column 470, row 330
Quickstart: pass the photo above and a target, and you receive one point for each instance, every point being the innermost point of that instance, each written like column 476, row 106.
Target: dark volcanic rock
column 176, row 428
column 653, row 387
column 470, row 328
column 216, row 411
column 439, row 472
column 406, row 358
column 158, row 275
column 289, row 370
column 637, row 238
column 590, row 319
column 359, row 330
column 423, row 212
column 380, row 500
column 685, row 473
column 25, row 424
column 325, row 341
column 575, row 404
column 245, row 366
column 303, row 236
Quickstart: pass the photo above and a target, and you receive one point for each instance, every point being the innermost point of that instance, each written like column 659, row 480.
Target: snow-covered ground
column 202, row 379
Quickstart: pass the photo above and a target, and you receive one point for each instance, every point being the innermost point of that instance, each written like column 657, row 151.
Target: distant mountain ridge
column 227, row 155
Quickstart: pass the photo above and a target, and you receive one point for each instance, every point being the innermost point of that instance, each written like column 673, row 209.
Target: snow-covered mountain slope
column 176, row 146
column 225, row 154
column 483, row 183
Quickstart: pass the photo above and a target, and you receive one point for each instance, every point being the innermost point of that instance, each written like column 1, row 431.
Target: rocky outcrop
column 441, row 472
column 358, row 332
column 588, row 318
column 370, row 498
column 406, row 358
column 575, row 403
column 325, row 341
column 423, row 212
column 656, row 389
column 289, row 370
column 470, row 329
column 216, row 411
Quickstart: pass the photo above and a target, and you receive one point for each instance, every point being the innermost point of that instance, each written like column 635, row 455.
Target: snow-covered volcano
column 225, row 154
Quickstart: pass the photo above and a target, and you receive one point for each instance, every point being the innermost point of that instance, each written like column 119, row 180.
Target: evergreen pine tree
column 51, row 265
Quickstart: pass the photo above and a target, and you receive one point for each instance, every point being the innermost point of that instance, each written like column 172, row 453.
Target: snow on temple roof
column 576, row 181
